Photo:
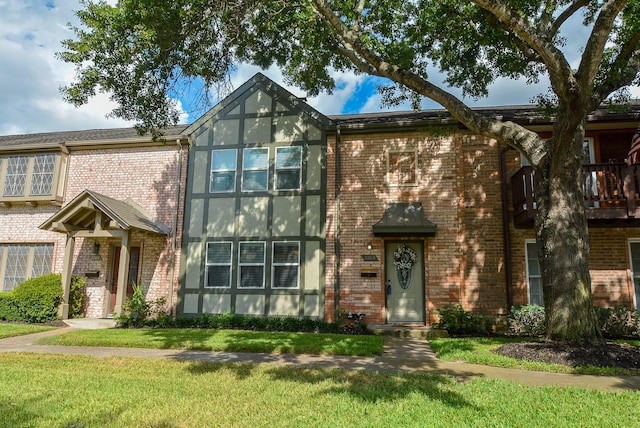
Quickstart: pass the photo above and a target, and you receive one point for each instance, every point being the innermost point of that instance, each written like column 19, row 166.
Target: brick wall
column 148, row 176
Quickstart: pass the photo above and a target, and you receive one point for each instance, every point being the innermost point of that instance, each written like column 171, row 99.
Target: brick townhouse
column 291, row 212
column 101, row 204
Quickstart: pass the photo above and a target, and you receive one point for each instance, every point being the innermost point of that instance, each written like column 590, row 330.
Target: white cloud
column 30, row 77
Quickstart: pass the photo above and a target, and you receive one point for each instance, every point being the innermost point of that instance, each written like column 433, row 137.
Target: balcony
column 611, row 194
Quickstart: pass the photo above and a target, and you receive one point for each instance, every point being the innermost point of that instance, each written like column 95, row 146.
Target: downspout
column 506, row 234
column 336, row 242
column 172, row 267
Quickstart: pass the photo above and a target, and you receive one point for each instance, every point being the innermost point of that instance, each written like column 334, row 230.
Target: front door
column 134, row 261
column 404, row 273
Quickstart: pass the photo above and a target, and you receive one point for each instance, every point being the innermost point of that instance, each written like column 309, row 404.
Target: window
column 251, row 264
column 218, row 265
column 43, row 171
column 32, row 178
column 223, row 171
column 286, row 264
column 288, row 173
column 634, row 256
column 19, row 262
column 402, row 167
column 534, row 276
column 255, row 169
column 16, row 176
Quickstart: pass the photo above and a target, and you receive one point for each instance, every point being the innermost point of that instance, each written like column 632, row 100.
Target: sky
column 31, row 75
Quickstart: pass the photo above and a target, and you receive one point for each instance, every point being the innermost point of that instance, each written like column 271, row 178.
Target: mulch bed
column 610, row 354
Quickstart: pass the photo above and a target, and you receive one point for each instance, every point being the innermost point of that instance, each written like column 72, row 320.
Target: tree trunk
column 562, row 236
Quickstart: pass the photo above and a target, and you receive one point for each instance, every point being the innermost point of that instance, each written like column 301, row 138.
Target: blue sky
column 30, row 77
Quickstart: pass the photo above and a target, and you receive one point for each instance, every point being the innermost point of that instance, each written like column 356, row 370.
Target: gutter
column 506, row 233
column 172, row 267
column 336, row 243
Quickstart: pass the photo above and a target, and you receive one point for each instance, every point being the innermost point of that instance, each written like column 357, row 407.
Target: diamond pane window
column 16, row 266
column 223, row 171
column 42, row 259
column 16, row 177
column 286, row 264
column 218, row 265
column 42, row 177
column 255, row 169
column 288, row 168
column 251, row 264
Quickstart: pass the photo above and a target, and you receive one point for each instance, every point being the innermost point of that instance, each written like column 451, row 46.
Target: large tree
column 142, row 51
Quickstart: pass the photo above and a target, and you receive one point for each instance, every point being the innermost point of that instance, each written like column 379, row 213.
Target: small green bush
column 456, row 321
column 527, row 320
column 76, row 296
column 37, row 299
column 135, row 310
column 619, row 322
column 8, row 308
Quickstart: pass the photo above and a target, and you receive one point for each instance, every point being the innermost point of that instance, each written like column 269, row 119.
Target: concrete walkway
column 400, row 355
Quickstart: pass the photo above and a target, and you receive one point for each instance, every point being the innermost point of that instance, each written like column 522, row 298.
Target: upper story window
column 288, row 173
column 402, row 167
column 223, row 171
column 255, row 169
column 31, row 178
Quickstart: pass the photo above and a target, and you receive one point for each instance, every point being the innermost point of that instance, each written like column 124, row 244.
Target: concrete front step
column 408, row 331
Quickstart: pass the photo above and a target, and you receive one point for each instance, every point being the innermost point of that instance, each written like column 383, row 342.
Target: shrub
column 76, row 296
column 619, row 322
column 37, row 299
column 8, row 308
column 527, row 320
column 456, row 321
column 135, row 310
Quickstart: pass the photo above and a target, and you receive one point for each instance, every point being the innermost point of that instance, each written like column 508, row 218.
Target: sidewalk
column 400, row 355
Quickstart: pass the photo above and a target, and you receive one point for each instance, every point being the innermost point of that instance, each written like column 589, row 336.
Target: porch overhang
column 404, row 219
column 91, row 214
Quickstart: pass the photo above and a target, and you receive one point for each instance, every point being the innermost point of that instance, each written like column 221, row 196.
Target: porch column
column 67, row 270
column 123, row 273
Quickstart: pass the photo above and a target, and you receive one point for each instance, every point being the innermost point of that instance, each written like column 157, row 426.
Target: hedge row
column 37, row 299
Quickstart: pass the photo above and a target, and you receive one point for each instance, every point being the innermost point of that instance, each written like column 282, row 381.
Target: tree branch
column 369, row 62
column 594, row 48
column 566, row 14
column 627, row 63
column 560, row 73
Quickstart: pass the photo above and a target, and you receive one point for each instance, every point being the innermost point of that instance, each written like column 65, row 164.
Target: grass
column 477, row 350
column 10, row 330
column 223, row 340
column 80, row 391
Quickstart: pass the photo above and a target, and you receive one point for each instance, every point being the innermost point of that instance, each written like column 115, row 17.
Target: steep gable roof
column 259, row 82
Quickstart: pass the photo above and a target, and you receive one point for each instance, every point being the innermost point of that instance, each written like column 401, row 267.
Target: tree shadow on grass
column 373, row 387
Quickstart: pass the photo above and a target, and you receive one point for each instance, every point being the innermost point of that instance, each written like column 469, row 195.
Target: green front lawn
column 477, row 350
column 10, row 330
column 223, row 340
column 81, row 391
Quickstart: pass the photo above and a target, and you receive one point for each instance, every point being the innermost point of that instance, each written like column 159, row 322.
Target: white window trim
column 274, row 264
column 213, row 171
column 254, row 169
column 526, row 263
column 207, row 264
column 263, row 264
column 634, row 292
column 276, row 169
column 390, row 182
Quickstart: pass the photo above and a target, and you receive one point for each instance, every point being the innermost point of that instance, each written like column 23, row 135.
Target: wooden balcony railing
column 611, row 192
